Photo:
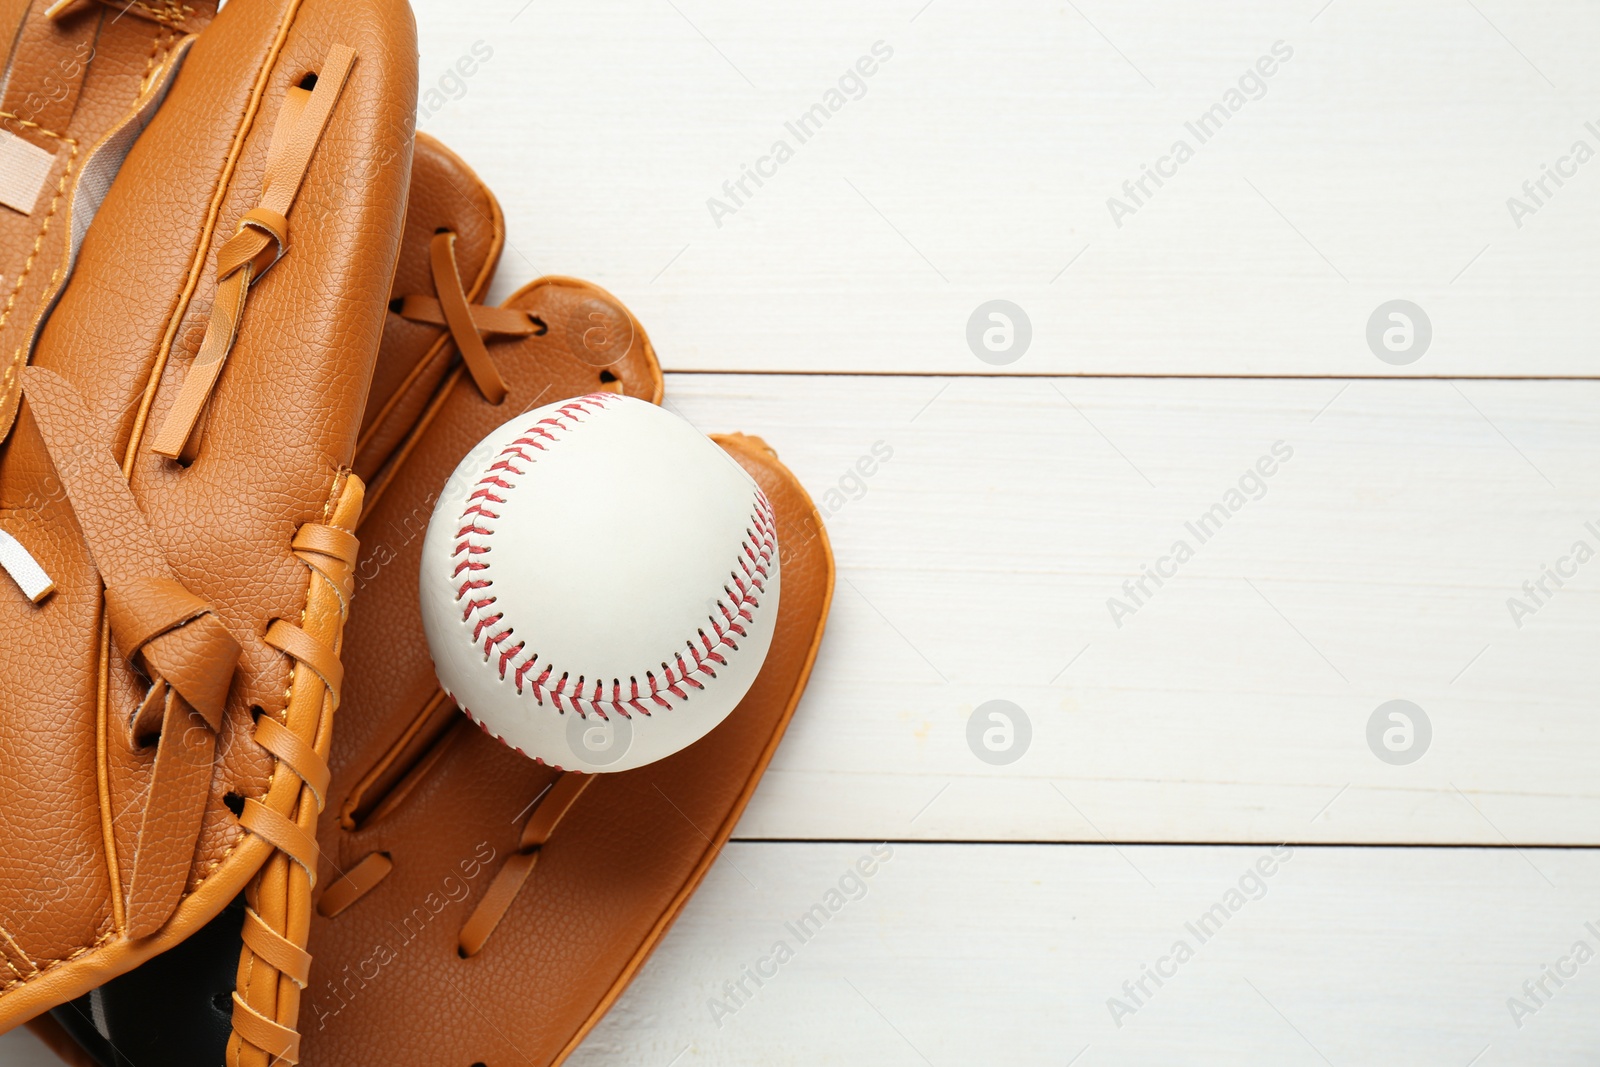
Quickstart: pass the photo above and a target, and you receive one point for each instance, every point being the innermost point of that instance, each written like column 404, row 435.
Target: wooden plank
column 981, row 160
column 1233, row 704
column 1010, row 954
column 21, row 1049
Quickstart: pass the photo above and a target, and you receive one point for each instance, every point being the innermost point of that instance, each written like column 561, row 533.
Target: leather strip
column 280, row 1042
column 278, row 951
column 119, row 537
column 142, row 609
column 499, row 320
column 331, row 553
column 329, row 541
column 281, row 892
column 260, row 240
column 145, row 723
column 509, row 880
column 152, row 616
column 176, row 806
column 273, row 225
column 197, row 659
column 453, row 300
column 354, row 884
column 298, row 753
column 282, row 834
column 556, row 803
column 288, row 638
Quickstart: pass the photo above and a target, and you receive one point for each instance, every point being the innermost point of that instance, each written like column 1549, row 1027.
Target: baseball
column 599, row 583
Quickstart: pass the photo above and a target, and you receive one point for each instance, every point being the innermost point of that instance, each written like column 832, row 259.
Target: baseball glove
column 533, row 894
column 178, row 509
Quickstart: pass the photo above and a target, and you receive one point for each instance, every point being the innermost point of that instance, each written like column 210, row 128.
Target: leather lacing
column 262, row 238
column 278, row 945
column 509, row 880
column 546, row 813
column 468, row 323
column 274, row 966
column 158, row 625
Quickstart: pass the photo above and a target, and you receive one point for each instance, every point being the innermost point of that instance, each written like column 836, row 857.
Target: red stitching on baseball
column 755, row 557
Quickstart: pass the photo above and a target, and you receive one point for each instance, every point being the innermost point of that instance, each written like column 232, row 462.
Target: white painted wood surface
column 1002, row 955
column 20, row 1049
column 979, row 161
column 1007, row 954
column 976, row 564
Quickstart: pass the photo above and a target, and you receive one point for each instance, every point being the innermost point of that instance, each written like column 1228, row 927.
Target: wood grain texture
column 1375, row 163
column 1009, row 955
column 977, row 562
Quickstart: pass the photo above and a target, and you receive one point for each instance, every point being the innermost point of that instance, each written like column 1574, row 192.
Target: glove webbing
column 261, row 240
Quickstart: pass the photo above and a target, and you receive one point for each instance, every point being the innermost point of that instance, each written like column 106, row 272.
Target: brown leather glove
column 177, row 474
column 451, row 866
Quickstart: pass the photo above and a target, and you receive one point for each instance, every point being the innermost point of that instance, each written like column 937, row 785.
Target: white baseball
column 599, row 583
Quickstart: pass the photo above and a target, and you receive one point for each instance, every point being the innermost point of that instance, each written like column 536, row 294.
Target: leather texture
column 73, row 78
column 446, row 196
column 249, row 534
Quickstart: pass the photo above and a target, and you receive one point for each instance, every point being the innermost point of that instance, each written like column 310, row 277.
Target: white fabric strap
column 24, row 569
column 24, row 168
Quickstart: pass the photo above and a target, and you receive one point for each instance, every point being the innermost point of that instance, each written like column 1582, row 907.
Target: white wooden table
column 1197, row 327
